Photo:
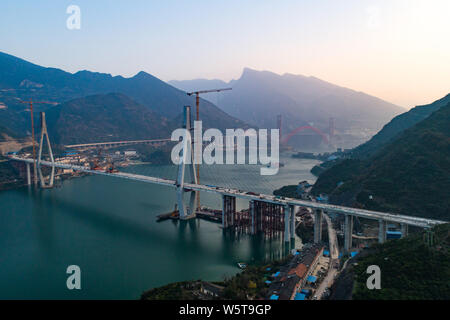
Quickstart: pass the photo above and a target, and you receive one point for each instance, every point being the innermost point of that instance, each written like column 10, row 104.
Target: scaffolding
column 261, row 217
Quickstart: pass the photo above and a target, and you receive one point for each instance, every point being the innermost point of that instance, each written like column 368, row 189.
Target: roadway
column 408, row 220
column 115, row 143
column 334, row 262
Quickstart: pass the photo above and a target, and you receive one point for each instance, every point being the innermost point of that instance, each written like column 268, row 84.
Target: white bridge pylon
column 186, row 153
column 52, row 160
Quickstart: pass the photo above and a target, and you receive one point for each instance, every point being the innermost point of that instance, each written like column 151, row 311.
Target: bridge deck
column 118, row 143
column 391, row 217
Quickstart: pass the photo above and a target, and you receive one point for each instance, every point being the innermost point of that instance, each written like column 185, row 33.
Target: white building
column 130, row 153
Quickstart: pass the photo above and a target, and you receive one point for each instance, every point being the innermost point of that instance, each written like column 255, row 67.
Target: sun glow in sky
column 397, row 50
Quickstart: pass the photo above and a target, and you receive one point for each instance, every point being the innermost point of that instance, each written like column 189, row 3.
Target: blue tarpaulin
column 276, row 274
column 274, row 297
column 326, row 253
column 268, row 269
column 299, row 296
column 311, row 279
column 71, row 153
column 354, row 253
column 268, row 282
column 393, row 234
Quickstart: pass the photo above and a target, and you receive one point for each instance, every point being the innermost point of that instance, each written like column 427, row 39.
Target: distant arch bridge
column 286, row 138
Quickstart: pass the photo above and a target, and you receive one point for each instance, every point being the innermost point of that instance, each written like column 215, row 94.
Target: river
column 108, row 228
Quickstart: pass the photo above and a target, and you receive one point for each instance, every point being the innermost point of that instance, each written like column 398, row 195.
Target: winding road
column 334, row 265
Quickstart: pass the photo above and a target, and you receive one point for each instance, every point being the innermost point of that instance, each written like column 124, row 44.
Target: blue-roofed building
column 70, row 153
column 354, row 253
column 323, row 198
column 303, row 188
column 299, row 296
column 268, row 269
column 393, row 234
column 274, row 297
column 326, row 253
column 311, row 279
column 268, row 282
column 292, row 276
column 332, row 157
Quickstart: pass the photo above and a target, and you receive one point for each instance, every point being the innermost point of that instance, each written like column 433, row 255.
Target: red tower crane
column 197, row 104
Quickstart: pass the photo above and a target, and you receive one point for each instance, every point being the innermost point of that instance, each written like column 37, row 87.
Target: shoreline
column 231, row 267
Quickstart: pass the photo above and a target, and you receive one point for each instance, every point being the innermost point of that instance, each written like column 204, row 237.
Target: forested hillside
column 410, row 175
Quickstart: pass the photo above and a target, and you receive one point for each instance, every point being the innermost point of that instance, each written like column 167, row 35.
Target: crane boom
column 207, row 91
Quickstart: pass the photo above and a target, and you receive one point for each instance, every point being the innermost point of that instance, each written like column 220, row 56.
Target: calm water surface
column 108, row 227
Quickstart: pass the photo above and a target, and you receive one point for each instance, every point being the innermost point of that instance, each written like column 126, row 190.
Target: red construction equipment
column 197, row 103
column 32, row 135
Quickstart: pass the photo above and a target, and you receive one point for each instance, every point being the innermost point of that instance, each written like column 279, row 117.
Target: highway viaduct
column 263, row 209
column 288, row 205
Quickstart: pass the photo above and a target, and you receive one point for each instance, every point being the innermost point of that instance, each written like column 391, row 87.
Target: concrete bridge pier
column 317, row 226
column 28, row 174
column 381, row 231
column 348, row 231
column 252, row 217
column 286, row 223
column 186, row 213
column 293, row 210
column 224, row 224
column 228, row 211
column 404, row 229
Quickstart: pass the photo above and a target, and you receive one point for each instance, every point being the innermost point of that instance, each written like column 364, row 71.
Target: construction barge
column 210, row 214
column 174, row 215
column 204, row 213
column 270, row 222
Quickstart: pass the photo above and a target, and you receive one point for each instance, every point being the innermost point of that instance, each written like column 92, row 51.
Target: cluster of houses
column 292, row 280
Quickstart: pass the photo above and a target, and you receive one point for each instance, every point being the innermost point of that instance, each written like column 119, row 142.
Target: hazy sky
column 398, row 50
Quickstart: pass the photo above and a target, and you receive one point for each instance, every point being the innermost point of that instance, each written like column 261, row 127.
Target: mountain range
column 259, row 96
column 396, row 126
column 256, row 99
column 107, row 117
column 409, row 174
column 22, row 80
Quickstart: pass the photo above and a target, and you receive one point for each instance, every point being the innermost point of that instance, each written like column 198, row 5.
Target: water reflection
column 109, row 228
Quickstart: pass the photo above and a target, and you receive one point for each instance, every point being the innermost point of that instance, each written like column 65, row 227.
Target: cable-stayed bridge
column 266, row 213
column 248, row 195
